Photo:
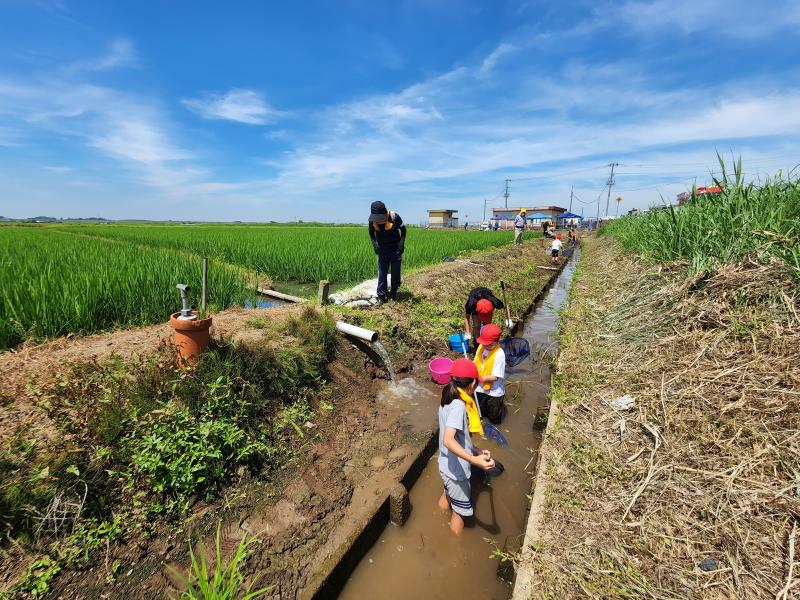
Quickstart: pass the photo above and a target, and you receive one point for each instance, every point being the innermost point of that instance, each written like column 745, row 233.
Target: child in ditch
column 457, row 455
column 490, row 360
column 478, row 311
column 555, row 248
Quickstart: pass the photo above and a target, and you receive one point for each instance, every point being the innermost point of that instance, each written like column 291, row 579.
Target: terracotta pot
column 191, row 337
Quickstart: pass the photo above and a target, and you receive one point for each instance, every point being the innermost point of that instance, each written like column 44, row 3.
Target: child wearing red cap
column 490, row 360
column 457, row 455
column 479, row 310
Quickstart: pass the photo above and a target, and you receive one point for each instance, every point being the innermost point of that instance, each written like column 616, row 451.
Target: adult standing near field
column 388, row 235
column 519, row 226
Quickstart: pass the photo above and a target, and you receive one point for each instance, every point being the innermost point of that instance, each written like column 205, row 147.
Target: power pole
column 506, row 194
column 610, row 183
column 570, row 198
column 485, row 200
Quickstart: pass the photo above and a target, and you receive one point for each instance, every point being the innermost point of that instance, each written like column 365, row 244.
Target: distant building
column 633, row 212
column 442, row 217
column 535, row 216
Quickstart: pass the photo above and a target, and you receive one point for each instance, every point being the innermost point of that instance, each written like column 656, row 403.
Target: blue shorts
column 458, row 494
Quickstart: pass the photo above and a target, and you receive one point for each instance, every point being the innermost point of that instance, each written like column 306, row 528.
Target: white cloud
column 8, row 137
column 120, row 54
column 122, row 126
column 240, row 105
column 739, row 18
column 490, row 61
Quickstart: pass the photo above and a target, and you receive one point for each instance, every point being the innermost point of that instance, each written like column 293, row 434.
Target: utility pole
column 610, row 183
column 571, row 188
column 506, row 194
column 485, row 200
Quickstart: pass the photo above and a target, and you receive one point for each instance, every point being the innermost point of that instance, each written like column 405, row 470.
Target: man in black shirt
column 473, row 317
column 388, row 235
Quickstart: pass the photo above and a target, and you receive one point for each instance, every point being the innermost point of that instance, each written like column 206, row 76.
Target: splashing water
column 385, row 358
column 406, row 391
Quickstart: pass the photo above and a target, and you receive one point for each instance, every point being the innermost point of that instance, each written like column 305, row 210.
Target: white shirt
column 556, row 245
column 498, row 370
column 519, row 222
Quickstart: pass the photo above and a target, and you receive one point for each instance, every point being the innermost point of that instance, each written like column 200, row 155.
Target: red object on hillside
column 699, row 192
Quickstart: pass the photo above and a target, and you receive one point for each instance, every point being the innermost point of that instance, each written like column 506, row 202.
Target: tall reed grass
column 756, row 220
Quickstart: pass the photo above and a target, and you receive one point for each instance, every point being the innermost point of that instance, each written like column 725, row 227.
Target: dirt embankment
column 353, row 446
column 691, row 491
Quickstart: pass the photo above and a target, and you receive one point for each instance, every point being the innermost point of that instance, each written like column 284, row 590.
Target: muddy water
column 423, row 559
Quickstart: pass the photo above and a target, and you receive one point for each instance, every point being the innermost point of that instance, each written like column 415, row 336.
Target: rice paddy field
column 57, row 280
column 296, row 253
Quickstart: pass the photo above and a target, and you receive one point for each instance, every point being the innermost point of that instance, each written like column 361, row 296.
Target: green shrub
column 178, row 455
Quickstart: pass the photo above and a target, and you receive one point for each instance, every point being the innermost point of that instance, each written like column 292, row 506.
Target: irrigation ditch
column 400, row 555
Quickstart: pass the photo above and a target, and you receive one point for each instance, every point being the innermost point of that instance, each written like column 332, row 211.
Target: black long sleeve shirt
column 481, row 293
column 388, row 241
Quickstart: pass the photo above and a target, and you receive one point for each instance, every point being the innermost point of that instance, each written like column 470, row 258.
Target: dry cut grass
column 693, row 493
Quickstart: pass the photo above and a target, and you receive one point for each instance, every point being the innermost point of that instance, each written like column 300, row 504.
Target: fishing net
column 516, row 349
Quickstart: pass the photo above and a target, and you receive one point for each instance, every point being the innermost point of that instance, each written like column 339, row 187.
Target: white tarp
column 362, row 295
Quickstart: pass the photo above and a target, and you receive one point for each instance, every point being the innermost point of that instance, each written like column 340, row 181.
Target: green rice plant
column 52, row 284
column 220, row 581
column 760, row 221
column 297, row 253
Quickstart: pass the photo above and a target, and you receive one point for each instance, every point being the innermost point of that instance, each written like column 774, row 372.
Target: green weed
column 223, row 581
column 36, row 580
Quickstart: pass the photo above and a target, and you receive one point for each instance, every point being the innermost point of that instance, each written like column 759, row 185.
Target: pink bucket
column 440, row 370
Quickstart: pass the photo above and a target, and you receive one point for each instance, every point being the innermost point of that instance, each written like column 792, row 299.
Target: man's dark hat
column 378, row 212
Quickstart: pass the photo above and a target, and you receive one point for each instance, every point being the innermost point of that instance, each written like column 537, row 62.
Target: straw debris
column 695, row 492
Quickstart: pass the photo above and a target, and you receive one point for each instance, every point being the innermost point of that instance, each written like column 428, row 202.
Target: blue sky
column 261, row 111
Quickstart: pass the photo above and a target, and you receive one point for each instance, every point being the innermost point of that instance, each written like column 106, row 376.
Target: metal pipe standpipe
column 359, row 332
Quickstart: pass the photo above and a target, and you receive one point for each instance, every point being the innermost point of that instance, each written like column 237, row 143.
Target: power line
column 552, row 176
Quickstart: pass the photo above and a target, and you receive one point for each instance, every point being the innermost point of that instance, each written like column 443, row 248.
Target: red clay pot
column 191, row 337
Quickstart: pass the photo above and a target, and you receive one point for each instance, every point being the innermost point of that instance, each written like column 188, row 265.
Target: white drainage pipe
column 359, row 332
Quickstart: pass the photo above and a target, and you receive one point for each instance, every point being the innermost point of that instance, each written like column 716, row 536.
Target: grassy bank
column 433, row 307
column 692, row 492
column 130, row 445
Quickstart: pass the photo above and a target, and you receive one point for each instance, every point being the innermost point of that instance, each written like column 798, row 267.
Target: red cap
column 464, row 368
column 489, row 334
column 485, row 310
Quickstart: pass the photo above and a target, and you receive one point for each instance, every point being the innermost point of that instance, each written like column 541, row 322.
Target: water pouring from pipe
column 371, row 337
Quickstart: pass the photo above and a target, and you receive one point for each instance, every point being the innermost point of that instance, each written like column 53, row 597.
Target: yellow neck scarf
column 485, row 367
column 475, row 425
column 387, row 225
